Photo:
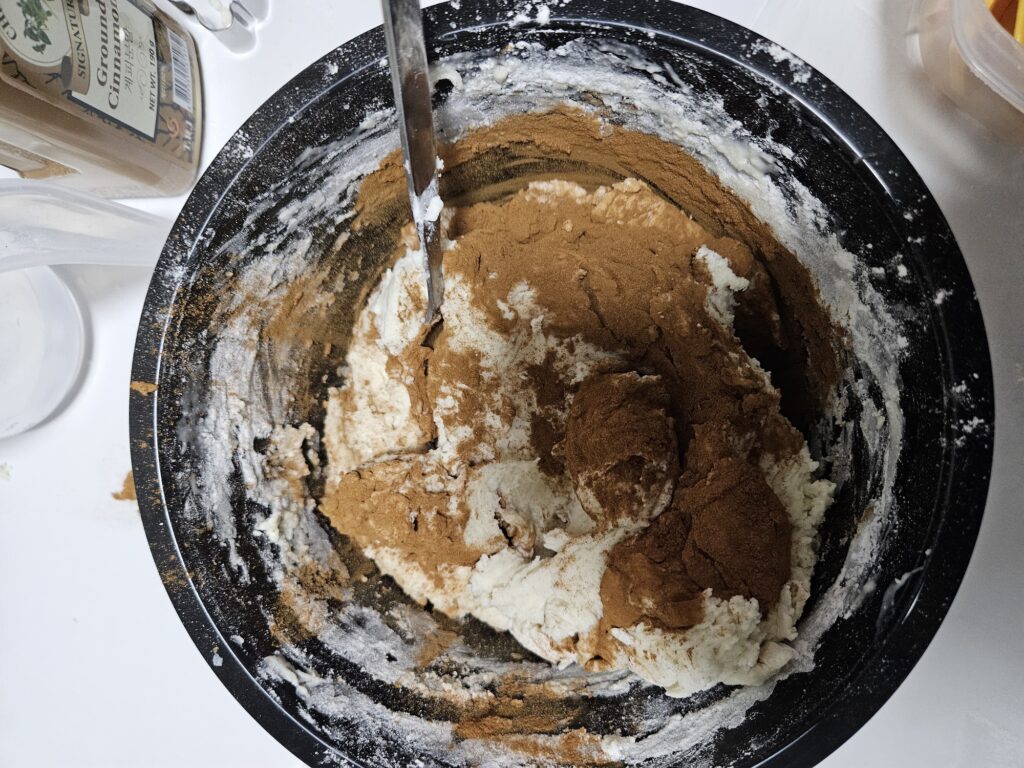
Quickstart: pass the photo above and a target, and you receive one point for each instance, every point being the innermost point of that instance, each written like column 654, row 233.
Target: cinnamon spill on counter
column 127, row 492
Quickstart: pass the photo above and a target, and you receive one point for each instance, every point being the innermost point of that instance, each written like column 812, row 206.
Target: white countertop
column 99, row 671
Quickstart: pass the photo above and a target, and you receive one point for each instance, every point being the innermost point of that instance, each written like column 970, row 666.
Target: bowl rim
column 927, row 601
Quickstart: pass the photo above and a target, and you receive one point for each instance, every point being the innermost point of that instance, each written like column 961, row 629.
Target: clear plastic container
column 43, row 336
column 973, row 60
column 43, row 224
column 42, row 347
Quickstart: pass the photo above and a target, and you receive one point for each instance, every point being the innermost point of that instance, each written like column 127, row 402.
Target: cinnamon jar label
column 114, row 60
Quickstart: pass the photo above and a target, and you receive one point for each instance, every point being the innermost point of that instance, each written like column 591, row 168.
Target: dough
column 584, row 453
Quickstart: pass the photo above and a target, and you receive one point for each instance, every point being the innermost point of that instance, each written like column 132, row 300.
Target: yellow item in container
column 1010, row 15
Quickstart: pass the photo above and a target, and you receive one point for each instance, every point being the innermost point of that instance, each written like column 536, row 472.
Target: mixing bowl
column 251, row 306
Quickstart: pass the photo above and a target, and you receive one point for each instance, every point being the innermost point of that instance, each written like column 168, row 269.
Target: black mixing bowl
column 877, row 205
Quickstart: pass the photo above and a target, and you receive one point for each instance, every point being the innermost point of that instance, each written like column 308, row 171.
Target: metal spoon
column 407, row 54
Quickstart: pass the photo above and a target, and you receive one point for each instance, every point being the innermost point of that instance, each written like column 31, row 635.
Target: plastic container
column 43, row 337
column 42, row 347
column 974, row 61
column 43, row 224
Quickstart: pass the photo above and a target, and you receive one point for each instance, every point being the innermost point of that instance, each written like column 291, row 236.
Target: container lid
column 989, row 51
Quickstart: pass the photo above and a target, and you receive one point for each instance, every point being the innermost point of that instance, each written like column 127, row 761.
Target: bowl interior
column 290, row 152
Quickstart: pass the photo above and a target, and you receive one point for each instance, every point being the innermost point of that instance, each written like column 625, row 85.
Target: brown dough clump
column 388, row 504
column 728, row 532
column 620, row 447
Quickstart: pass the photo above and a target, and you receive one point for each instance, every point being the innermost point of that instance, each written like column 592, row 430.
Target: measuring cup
column 43, row 337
